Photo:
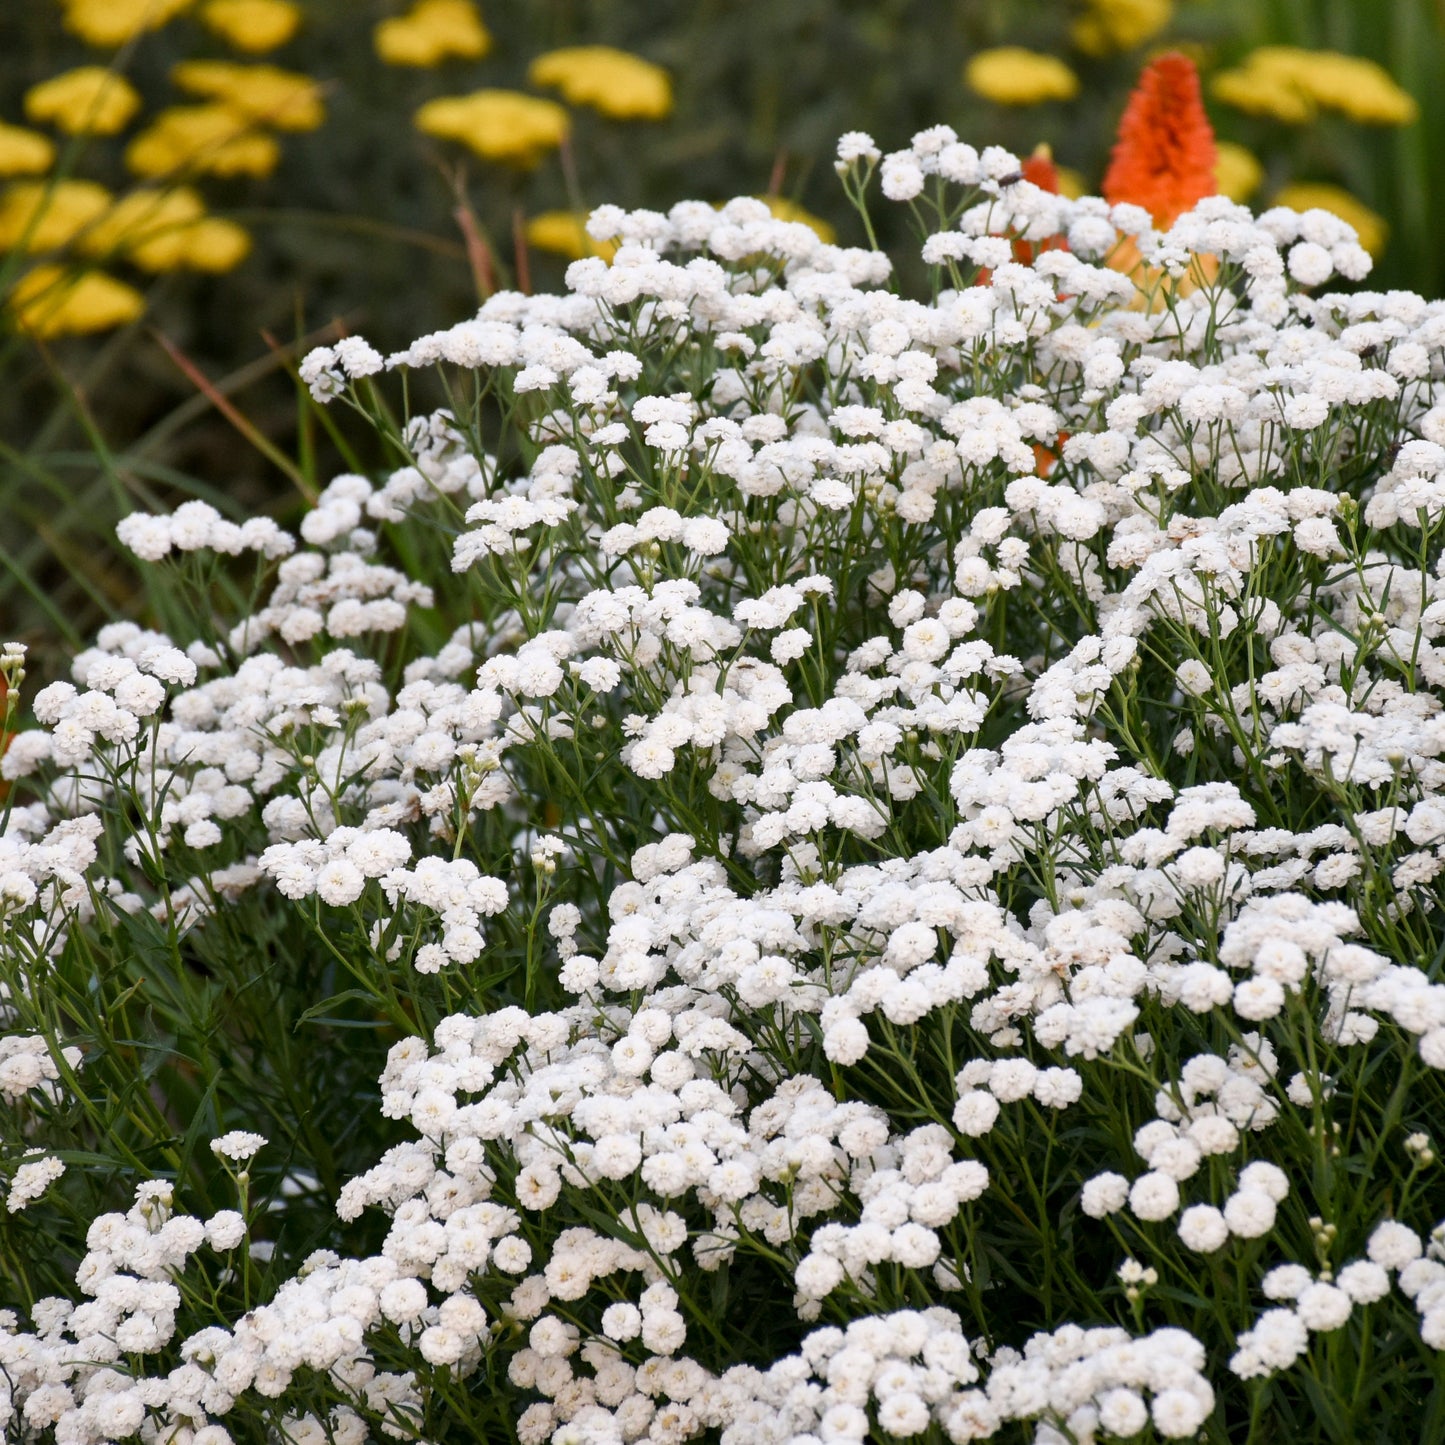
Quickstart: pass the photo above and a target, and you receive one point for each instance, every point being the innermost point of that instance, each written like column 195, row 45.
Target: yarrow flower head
column 238, row 1146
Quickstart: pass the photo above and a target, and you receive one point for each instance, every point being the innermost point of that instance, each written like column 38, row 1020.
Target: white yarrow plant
column 883, row 842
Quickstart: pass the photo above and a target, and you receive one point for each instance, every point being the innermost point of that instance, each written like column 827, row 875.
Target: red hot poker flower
column 1164, row 158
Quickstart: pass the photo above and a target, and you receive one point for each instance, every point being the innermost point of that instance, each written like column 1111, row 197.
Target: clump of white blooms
column 893, row 844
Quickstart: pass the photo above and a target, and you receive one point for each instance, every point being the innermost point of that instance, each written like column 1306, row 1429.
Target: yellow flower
column 433, row 31
column 1236, row 173
column 254, row 26
column 1261, row 91
column 499, row 125
column 1291, row 85
column 113, row 22
column 565, row 233
column 786, row 210
column 44, row 217
column 214, row 244
column 167, row 230
column 1370, row 227
column 202, row 138
column 1011, row 75
column 50, row 301
column 620, row 85
column 89, row 100
column 1072, row 183
column 279, row 98
column 1111, row 25
column 24, row 152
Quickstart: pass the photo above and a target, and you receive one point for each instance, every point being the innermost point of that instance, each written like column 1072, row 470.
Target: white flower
column 237, row 1146
column 225, row 1229
column 1250, row 1213
column 1178, row 1414
column 1286, row 1282
column 1258, row 998
column 340, row 882
column 1310, row 264
column 403, row 1300
column 30, row 1181
column 1203, row 1228
column 1323, row 1306
column 1364, row 1281
column 623, row 1321
column 1269, row 1178
column 1393, row 1245
column 1122, row 1412
column 1154, row 1196
column 975, row 1113
column 1104, row 1194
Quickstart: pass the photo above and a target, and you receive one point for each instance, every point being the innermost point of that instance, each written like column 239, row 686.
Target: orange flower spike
column 1164, row 158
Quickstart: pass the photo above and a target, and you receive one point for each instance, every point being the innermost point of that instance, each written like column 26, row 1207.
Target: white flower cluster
column 853, row 915
column 198, row 526
column 70, row 1373
column 916, row 1368
column 27, row 1064
column 1324, row 1302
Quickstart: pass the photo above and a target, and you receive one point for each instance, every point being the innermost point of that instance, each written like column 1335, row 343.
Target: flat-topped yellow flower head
column 279, row 98
column 1011, row 75
column 1237, row 172
column 167, row 230
column 431, row 32
column 1293, row 85
column 1110, row 25
column 211, row 139
column 614, row 82
column 565, row 234
column 24, row 152
column 50, row 301
column 45, row 216
column 89, row 100
column 110, row 23
column 499, row 125
column 255, row 26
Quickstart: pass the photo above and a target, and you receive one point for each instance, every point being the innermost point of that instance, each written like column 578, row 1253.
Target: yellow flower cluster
column 614, row 82
column 24, row 152
column 224, row 137
column 204, row 139
column 254, row 26
column 157, row 230
column 565, row 234
column 46, row 216
column 1110, row 25
column 262, row 93
column 1011, row 75
column 1292, row 85
column 499, row 125
column 167, row 231
column 1237, row 172
column 433, row 31
column 75, row 221
column 1371, row 227
column 114, row 22
column 89, row 100
column 50, row 301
